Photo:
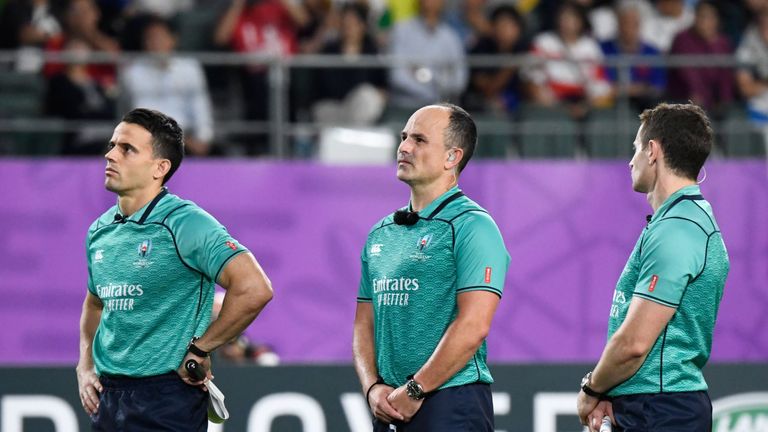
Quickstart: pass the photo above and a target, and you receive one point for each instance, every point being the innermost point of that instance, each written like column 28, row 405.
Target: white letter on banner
column 268, row 408
column 15, row 408
column 547, row 406
column 501, row 405
column 357, row 412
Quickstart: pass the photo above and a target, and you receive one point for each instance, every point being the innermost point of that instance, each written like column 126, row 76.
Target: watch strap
column 194, row 349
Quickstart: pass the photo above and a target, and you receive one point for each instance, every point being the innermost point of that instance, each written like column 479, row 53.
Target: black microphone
column 404, row 217
column 648, row 219
column 194, row 370
column 119, row 218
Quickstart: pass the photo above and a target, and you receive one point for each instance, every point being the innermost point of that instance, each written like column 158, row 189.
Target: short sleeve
column 672, row 255
column 482, row 259
column 203, row 243
column 89, row 258
column 364, row 293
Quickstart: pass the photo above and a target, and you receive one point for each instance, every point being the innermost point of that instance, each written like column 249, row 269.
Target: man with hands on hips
column 432, row 277
column 153, row 261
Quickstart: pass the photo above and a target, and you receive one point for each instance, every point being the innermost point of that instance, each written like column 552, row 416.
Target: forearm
column 459, row 343
column 364, row 355
column 89, row 322
column 227, row 24
column 618, row 363
column 242, row 304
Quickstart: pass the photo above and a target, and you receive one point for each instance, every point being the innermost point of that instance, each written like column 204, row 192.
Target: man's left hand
column 205, row 365
column 585, row 404
column 406, row 406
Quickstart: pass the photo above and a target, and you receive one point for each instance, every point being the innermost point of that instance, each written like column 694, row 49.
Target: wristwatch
column 585, row 382
column 414, row 389
column 194, row 349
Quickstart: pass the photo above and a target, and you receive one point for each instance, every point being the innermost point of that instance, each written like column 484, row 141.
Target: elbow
column 259, row 295
column 632, row 349
column 476, row 332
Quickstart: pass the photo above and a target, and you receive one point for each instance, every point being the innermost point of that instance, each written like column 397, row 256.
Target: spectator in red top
column 709, row 87
column 266, row 27
column 81, row 21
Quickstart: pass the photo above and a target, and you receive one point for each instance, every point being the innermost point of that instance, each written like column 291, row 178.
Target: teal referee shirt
column 679, row 261
column 412, row 275
column 155, row 273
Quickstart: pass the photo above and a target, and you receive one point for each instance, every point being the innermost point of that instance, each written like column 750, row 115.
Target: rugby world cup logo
column 145, row 248
column 424, row 242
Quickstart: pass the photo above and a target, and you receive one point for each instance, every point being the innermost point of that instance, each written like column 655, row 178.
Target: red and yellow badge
column 652, row 286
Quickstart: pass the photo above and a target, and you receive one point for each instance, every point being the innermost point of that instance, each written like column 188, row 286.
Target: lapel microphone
column 119, row 218
column 405, row 217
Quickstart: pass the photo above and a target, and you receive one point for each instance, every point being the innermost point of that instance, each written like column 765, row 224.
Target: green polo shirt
column 413, row 274
column 679, row 261
column 155, row 273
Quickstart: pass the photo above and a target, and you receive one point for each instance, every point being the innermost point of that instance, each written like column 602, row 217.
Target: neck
column 423, row 194
column 665, row 187
column 431, row 20
column 130, row 202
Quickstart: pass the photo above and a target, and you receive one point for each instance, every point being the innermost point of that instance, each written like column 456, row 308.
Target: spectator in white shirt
column 438, row 70
column 171, row 84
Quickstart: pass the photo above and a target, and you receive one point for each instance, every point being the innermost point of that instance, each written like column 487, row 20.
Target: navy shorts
column 467, row 408
column 158, row 403
column 663, row 412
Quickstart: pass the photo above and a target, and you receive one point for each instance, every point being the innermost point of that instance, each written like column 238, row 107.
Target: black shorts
column 663, row 412
column 467, row 408
column 158, row 403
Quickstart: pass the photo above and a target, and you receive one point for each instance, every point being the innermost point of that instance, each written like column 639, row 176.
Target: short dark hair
column 508, row 11
column 461, row 132
column 685, row 135
column 167, row 136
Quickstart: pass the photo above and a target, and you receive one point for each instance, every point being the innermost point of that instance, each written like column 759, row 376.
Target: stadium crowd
column 568, row 43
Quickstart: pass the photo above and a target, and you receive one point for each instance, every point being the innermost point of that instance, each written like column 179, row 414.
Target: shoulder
column 690, row 213
column 103, row 220
column 386, row 220
column 466, row 212
column 177, row 213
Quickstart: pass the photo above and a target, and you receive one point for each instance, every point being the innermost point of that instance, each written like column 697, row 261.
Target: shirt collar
column 687, row 190
column 427, row 211
column 143, row 213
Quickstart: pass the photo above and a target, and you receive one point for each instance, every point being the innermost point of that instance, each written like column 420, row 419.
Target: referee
column 432, row 277
column 153, row 260
column 664, row 308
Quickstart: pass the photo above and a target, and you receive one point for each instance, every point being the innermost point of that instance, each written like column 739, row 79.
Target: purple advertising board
column 569, row 228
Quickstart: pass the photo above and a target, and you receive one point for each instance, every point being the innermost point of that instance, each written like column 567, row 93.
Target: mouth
column 402, row 161
column 110, row 171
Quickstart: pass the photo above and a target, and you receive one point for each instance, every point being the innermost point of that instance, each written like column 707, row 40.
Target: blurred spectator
column 241, row 349
column 320, row 27
column 437, row 68
column 710, row 87
column 647, row 83
column 498, row 89
column 81, row 19
column 737, row 15
column 267, row 27
column 173, row 85
column 27, row 23
column 752, row 77
column 468, row 18
column 572, row 72
column 669, row 18
column 73, row 94
column 350, row 95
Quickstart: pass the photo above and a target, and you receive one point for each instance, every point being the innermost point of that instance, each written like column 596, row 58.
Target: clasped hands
column 392, row 404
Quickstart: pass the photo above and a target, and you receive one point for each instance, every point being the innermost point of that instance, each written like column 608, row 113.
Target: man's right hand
column 380, row 407
column 89, row 388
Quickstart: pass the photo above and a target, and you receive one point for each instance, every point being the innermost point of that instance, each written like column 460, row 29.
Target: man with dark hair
column 432, row 277
column 153, row 261
column 665, row 304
